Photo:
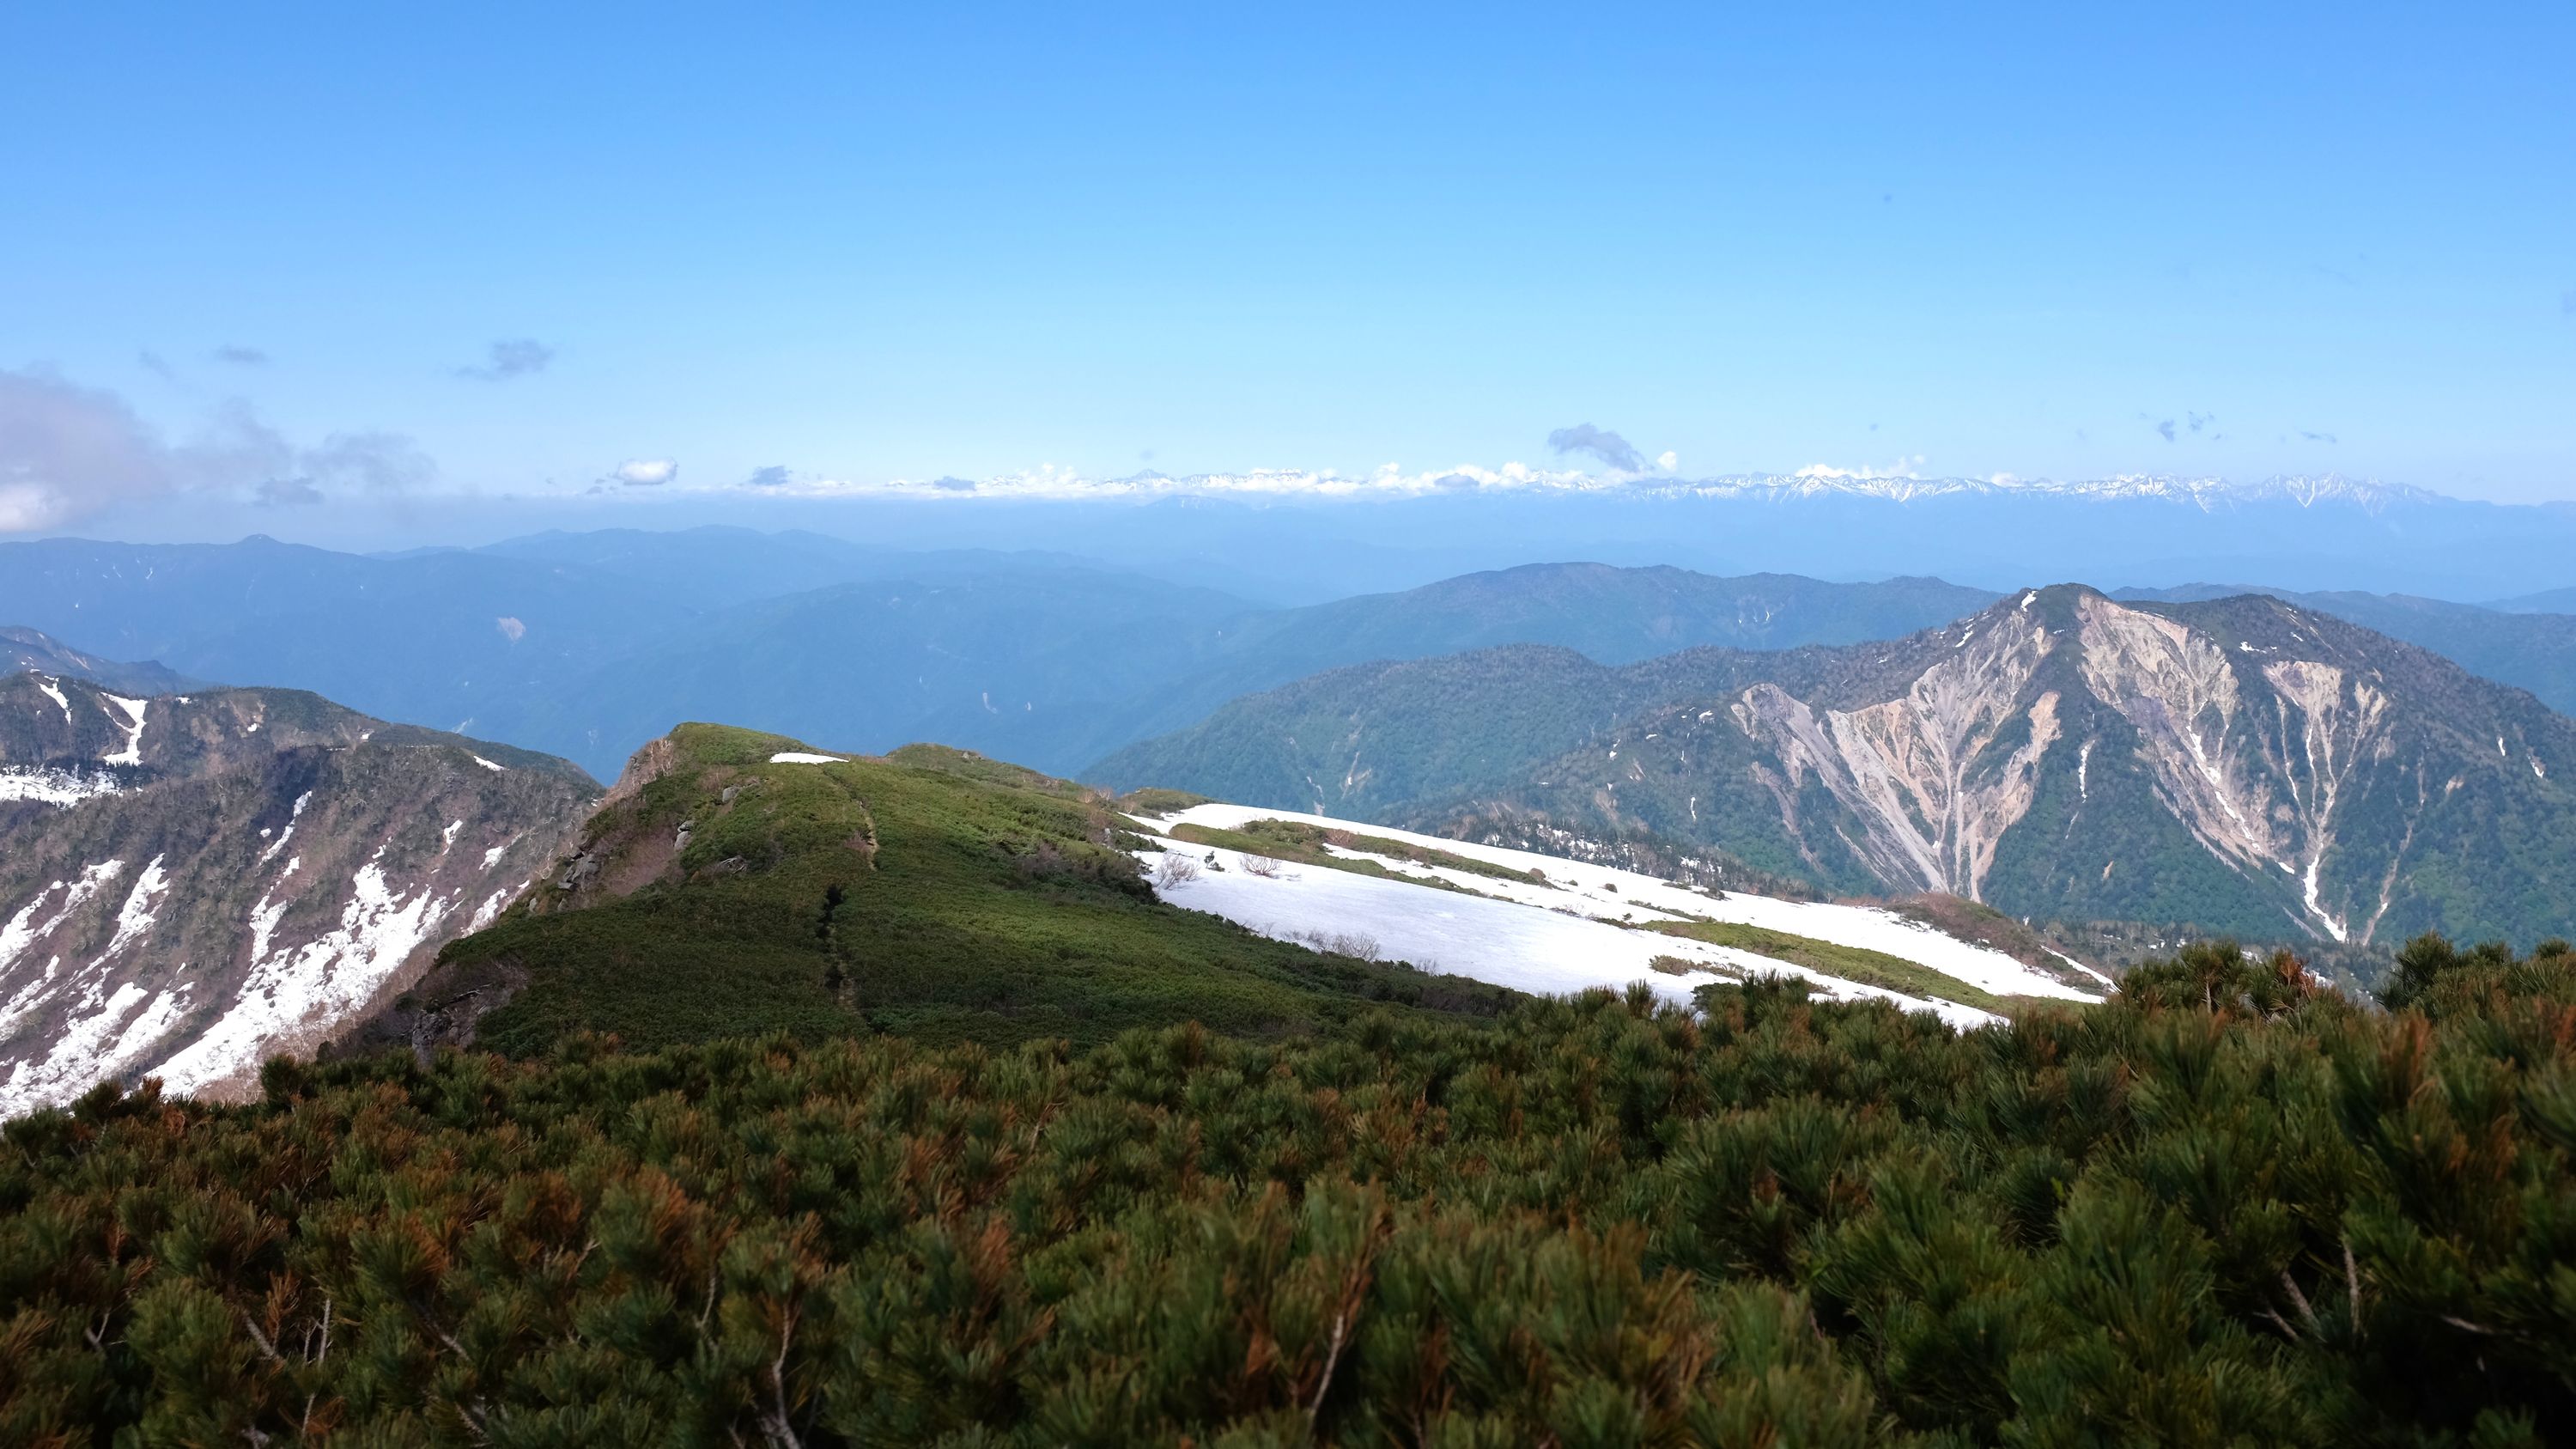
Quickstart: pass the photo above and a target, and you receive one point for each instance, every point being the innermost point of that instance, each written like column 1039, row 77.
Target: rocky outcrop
column 1934, row 776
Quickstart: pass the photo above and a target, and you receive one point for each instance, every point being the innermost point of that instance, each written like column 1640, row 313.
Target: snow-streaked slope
column 54, row 786
column 1608, row 894
column 184, row 893
column 293, row 993
column 1526, row 947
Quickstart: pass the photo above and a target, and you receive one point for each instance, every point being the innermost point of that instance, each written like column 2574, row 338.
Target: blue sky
column 903, row 243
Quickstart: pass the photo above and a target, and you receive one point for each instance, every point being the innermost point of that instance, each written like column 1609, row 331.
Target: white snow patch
column 134, row 709
column 263, row 924
column 51, row 689
column 485, row 913
column 1525, row 947
column 487, row 764
column 447, row 837
column 59, row 787
column 77, row 1059
column 492, row 857
column 24, row 930
column 302, row 987
column 135, row 916
column 2080, row 966
column 1603, row 892
column 2316, row 908
column 802, row 757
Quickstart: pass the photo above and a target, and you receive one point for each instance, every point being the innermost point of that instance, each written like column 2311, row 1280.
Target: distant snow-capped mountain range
column 2207, row 493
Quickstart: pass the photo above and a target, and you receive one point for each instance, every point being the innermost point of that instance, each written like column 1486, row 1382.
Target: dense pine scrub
column 2227, row 1207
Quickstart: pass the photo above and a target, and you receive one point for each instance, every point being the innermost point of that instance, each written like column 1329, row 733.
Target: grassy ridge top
column 932, row 893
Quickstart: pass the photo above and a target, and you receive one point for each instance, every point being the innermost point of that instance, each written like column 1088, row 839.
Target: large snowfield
column 1571, row 933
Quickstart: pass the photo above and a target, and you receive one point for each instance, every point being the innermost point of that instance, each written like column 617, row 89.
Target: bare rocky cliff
column 2239, row 763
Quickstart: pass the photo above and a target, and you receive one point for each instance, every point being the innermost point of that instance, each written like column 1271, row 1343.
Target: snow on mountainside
column 1560, row 925
column 2207, row 493
column 191, row 883
column 2238, row 765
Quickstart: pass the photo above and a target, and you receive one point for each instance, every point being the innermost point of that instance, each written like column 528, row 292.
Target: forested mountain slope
column 34, row 651
column 2241, row 764
column 588, row 645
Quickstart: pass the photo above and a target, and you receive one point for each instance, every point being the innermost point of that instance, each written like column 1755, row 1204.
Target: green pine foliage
column 2226, row 1208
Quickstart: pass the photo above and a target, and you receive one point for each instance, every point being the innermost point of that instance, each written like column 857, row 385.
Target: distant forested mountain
column 587, row 645
column 32, row 651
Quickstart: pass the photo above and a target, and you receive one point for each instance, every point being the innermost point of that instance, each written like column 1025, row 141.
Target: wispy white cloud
column 1600, row 444
column 643, row 473
column 287, row 493
column 508, row 358
column 68, row 452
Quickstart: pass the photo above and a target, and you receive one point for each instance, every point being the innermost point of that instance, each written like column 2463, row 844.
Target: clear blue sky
column 903, row 242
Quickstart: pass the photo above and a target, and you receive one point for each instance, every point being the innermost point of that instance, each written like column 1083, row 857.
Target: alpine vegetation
column 2225, row 1206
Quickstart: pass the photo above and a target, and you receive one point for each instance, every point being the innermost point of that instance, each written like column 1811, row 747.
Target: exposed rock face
column 233, row 874
column 1934, row 776
column 2237, row 764
column 2062, row 754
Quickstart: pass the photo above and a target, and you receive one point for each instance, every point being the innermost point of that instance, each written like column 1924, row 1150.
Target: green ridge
column 932, row 893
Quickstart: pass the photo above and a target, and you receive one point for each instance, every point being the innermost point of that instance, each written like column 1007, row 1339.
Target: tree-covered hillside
column 2227, row 1208
column 587, row 645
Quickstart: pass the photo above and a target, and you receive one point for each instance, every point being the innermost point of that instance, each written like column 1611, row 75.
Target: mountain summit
column 2241, row 764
